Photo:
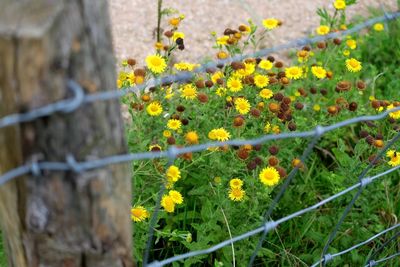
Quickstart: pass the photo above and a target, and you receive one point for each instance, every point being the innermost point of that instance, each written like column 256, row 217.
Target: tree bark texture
column 61, row 219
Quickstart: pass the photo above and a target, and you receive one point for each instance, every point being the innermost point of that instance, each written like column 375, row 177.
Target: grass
column 3, row 259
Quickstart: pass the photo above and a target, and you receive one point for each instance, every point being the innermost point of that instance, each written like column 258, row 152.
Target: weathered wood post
column 61, row 219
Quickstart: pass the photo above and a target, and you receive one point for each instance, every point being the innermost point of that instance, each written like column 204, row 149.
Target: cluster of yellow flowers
column 236, row 192
column 248, row 89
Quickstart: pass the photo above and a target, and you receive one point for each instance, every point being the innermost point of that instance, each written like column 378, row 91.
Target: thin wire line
column 271, row 224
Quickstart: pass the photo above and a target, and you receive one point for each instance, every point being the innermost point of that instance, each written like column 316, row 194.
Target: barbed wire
column 270, row 225
column 79, row 98
column 329, row 257
column 374, row 263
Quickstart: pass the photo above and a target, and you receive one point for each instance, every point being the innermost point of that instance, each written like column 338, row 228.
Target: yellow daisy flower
column 174, row 124
column 318, row 72
column 265, row 64
column 167, row 133
column 223, row 40
column 221, row 91
column 323, row 30
column 156, row 64
column 351, row 43
column 266, row 93
column 353, row 65
column 192, row 137
column 394, row 114
column 294, row 72
column 176, row 196
column 173, row 173
column 178, row 35
column 339, row 4
column 242, row 105
column 379, row 27
column 219, row 134
column 139, row 213
column 217, row 75
column 316, row 107
column 189, row 91
column 236, row 183
column 154, row 109
column 236, row 194
column 234, row 84
column 167, row 202
column 270, row 23
column 261, row 80
column 269, row 176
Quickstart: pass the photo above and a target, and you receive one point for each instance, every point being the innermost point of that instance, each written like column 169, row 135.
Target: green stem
column 159, row 15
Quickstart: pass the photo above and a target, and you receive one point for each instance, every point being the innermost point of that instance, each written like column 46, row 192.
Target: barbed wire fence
column 80, row 98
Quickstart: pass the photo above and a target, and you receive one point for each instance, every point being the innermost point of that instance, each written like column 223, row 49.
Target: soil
column 134, row 22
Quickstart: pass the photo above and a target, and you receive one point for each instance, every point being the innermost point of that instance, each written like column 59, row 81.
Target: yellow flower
column 176, row 196
column 119, row 83
column 139, row 213
column 266, row 93
column 394, row 158
column 242, row 105
column 275, row 129
column 168, row 203
column 294, row 72
column 192, row 137
column 346, row 53
column 269, row 176
column 174, row 124
column 167, row 134
column 184, row 66
column 236, row 194
column 234, row 84
column 318, row 72
column 236, row 183
column 219, row 134
column 353, row 65
column 270, row 23
column 223, row 40
column 221, row 91
column 156, row 63
column 217, row 75
column 249, row 68
column 154, row 109
column 379, row 27
column 189, row 91
column 261, row 80
column 169, row 93
column 267, row 127
column 316, row 107
column 178, row 35
column 394, row 114
column 351, row 43
column 265, row 64
column 339, row 4
column 323, row 30
column 174, row 22
column 173, row 173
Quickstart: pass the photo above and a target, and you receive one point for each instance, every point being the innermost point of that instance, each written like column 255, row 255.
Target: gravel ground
column 134, row 21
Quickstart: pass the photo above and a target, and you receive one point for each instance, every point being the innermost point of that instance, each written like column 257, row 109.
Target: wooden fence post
column 61, row 219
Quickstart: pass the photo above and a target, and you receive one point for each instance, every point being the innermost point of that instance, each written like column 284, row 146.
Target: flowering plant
column 224, row 191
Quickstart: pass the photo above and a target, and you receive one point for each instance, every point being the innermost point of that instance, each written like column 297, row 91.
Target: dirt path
column 134, row 21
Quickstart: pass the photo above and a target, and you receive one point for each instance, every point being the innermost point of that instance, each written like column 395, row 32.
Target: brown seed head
column 299, row 106
column 273, row 107
column 273, row 161
column 139, row 72
column 237, row 65
column 171, row 140
column 238, row 121
column 343, row 86
column 203, row 98
column 255, row 112
column 278, row 96
column 292, row 126
column 131, row 62
column 337, row 41
column 378, row 143
column 242, row 154
column 333, row 110
column 271, row 59
column 168, row 34
column 251, row 165
column 353, row 106
column 281, row 171
column 209, row 83
column 200, row 84
column 321, row 45
column 273, row 150
column 278, row 64
column 361, row 85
